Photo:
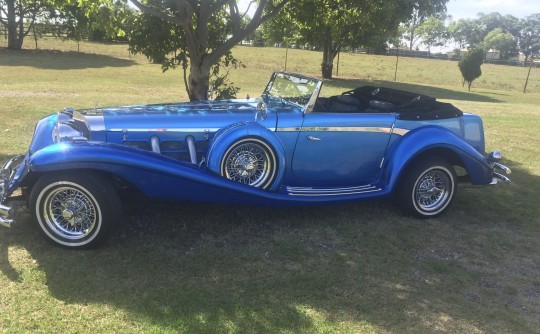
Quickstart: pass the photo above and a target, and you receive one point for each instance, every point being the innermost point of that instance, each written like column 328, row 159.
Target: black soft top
column 409, row 105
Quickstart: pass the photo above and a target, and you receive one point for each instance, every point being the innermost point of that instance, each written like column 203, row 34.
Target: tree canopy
column 433, row 32
column 332, row 25
column 529, row 36
column 205, row 32
column 409, row 28
column 501, row 41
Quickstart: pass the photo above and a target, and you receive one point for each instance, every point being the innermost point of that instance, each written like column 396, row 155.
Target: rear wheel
column 427, row 188
column 75, row 210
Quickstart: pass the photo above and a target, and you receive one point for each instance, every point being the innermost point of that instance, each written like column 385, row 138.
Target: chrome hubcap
column 248, row 163
column 70, row 212
column 432, row 190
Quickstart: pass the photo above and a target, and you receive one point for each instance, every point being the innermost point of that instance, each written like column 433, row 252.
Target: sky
column 470, row 8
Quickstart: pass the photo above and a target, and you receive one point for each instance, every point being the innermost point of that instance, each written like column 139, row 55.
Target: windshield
column 293, row 88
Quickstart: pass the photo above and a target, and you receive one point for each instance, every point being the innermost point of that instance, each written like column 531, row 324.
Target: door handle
column 313, row 138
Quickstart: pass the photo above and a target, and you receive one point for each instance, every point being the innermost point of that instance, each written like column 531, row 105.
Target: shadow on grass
column 212, row 268
column 58, row 60
column 437, row 92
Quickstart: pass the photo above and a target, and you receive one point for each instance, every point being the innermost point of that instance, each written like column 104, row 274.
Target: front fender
column 434, row 138
column 153, row 174
column 227, row 136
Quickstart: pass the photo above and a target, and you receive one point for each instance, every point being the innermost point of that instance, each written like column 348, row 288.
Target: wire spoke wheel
column 75, row 209
column 250, row 161
column 427, row 188
column 71, row 212
column 432, row 190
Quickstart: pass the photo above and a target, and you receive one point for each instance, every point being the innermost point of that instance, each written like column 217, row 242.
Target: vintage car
column 288, row 147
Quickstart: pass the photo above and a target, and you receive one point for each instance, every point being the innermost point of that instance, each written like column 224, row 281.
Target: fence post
column 397, row 60
column 527, row 80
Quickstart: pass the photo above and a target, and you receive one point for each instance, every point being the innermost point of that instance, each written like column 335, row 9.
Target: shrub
column 469, row 65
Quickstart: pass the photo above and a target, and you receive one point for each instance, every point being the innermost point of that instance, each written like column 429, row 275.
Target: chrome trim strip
column 400, row 132
column 291, row 129
column 167, row 130
column 396, row 131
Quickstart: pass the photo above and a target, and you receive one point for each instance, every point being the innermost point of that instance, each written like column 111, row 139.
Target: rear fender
column 228, row 136
column 428, row 139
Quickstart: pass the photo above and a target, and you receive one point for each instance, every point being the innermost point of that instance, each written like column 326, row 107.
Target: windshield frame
column 307, row 107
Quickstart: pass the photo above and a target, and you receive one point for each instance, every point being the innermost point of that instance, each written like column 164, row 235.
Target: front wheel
column 75, row 210
column 427, row 188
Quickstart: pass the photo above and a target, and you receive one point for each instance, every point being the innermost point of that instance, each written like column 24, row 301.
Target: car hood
column 190, row 115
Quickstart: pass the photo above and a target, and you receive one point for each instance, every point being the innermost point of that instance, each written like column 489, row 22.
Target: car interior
column 369, row 99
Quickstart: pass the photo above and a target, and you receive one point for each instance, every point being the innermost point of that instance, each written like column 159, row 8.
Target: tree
column 501, row 41
column 409, row 28
column 79, row 21
column 466, row 32
column 529, row 36
column 332, row 25
column 470, row 64
column 433, row 32
column 494, row 20
column 281, row 30
column 472, row 32
column 18, row 17
column 206, row 30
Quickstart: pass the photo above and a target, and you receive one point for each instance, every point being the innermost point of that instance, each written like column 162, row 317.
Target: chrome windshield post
column 311, row 104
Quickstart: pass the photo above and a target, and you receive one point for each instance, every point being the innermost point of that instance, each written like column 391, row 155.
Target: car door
column 342, row 148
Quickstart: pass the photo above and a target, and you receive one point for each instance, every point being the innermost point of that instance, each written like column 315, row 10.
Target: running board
column 310, row 191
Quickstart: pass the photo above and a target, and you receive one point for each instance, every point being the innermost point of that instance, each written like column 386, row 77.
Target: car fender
column 229, row 135
column 434, row 138
column 152, row 173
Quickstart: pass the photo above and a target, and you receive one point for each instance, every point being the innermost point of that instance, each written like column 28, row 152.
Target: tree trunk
column 14, row 42
column 328, row 62
column 199, row 81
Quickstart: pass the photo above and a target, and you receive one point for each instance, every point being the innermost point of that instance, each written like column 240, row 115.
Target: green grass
column 356, row 268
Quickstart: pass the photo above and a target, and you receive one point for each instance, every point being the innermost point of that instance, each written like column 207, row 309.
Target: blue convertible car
column 288, row 147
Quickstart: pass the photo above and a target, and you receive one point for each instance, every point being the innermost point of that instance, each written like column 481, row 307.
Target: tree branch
column 4, row 11
column 257, row 20
column 31, row 24
column 200, row 38
column 247, row 10
column 236, row 20
column 183, row 20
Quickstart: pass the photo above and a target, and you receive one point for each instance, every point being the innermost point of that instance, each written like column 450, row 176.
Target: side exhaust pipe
column 192, row 151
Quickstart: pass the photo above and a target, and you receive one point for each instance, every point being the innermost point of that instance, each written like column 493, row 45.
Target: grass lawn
column 201, row 268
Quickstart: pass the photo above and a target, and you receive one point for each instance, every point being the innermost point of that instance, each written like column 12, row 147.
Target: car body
column 288, row 147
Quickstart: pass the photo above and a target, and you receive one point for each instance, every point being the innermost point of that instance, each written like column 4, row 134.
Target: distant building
column 489, row 55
